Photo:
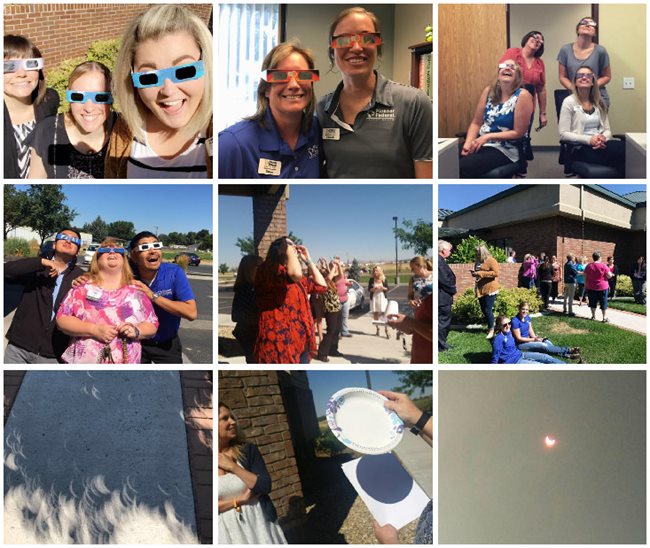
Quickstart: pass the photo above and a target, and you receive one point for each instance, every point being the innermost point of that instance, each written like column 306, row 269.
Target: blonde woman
column 377, row 287
column 246, row 513
column 163, row 84
column 421, row 282
column 108, row 316
column 486, row 274
column 73, row 145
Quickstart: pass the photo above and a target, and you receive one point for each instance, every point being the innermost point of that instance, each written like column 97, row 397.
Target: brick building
column 275, row 411
column 65, row 31
column 556, row 219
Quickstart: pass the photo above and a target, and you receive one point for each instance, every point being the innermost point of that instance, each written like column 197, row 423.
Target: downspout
column 582, row 219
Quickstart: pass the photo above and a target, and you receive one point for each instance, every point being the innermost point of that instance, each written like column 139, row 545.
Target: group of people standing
column 162, row 81
column 505, row 111
column 369, row 127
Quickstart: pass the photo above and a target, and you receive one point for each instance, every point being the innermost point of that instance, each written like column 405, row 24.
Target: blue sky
column 345, row 220
column 170, row 208
column 326, row 383
column 458, row 196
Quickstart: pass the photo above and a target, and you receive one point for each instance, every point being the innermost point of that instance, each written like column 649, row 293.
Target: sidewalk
column 619, row 318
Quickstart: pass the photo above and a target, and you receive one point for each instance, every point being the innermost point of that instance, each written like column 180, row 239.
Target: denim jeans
column 537, row 357
column 547, row 347
column 344, row 322
column 487, row 307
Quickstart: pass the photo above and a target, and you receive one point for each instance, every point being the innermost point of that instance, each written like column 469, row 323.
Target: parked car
column 356, row 295
column 194, row 258
column 88, row 255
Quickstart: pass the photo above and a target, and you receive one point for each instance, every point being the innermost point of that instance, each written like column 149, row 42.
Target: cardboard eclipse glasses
column 278, row 76
column 179, row 74
column 363, row 39
column 67, row 238
column 14, row 65
column 97, row 97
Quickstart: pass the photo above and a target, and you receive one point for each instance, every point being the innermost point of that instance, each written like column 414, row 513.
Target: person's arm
column 408, row 412
column 22, row 268
column 605, row 76
column 541, row 99
column 255, row 463
column 516, row 333
column 491, row 270
column 423, row 170
column 36, row 167
column 410, row 293
column 184, row 309
column 75, row 327
column 496, row 348
column 475, row 125
column 231, row 504
column 567, row 113
column 523, row 112
column 606, row 130
column 563, row 76
column 138, row 331
column 294, row 270
column 385, row 534
column 228, row 464
column 231, row 163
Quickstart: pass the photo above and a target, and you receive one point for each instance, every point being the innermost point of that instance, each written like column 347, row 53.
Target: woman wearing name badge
column 73, row 145
column 372, row 127
column 26, row 102
column 281, row 140
column 162, row 82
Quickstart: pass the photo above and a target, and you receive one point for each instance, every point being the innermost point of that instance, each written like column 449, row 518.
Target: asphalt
column 619, row 318
column 98, row 457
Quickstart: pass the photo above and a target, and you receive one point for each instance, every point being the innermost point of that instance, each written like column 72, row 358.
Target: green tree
column 98, row 228
column 465, row 251
column 15, row 208
column 46, row 211
column 206, row 243
column 122, row 230
column 355, row 270
column 413, row 380
column 202, row 234
column 417, row 236
column 163, row 238
column 174, row 238
column 223, row 268
column 190, row 238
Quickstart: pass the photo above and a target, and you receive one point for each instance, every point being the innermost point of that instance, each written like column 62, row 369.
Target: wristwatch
column 418, row 426
column 154, row 297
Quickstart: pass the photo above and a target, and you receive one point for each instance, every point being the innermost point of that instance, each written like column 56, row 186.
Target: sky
column 158, row 208
column 325, row 384
column 458, row 196
column 500, row 483
column 349, row 221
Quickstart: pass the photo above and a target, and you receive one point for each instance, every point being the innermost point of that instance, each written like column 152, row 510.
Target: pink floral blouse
column 92, row 304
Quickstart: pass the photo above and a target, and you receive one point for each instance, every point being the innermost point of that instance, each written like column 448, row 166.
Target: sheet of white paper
column 387, row 489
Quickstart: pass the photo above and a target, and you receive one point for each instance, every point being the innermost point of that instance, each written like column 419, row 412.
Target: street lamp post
column 396, row 260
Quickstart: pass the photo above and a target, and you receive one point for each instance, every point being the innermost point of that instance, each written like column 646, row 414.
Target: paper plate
column 358, row 418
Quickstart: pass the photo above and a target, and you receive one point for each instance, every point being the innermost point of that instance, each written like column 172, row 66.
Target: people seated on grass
column 570, row 280
column 596, row 281
column 527, row 340
column 504, row 348
column 638, row 277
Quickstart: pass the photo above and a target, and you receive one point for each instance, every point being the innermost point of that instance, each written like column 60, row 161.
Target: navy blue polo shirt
column 171, row 283
column 249, row 151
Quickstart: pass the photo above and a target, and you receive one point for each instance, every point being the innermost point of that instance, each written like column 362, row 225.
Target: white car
column 88, row 256
column 356, row 294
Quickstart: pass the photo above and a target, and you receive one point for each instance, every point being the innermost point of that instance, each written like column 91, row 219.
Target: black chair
column 577, row 167
column 507, row 171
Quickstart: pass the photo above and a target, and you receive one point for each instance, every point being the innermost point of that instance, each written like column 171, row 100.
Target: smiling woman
column 163, row 83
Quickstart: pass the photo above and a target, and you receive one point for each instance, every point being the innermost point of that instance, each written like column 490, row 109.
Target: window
column 247, row 32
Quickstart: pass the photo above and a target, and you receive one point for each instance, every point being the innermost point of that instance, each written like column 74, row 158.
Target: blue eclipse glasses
column 67, row 238
column 97, row 97
column 119, row 250
column 178, row 75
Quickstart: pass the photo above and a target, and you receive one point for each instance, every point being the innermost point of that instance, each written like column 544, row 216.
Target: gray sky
column 498, row 483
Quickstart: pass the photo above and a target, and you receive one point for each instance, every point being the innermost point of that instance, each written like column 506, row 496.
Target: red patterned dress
column 286, row 327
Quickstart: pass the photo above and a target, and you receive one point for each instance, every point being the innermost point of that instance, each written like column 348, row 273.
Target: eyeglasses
column 97, row 97
column 13, row 65
column 584, row 76
column 363, row 39
column 277, row 76
column 67, row 238
column 505, row 324
column 119, row 250
column 588, row 23
column 152, row 245
column 538, row 38
column 179, row 74
column 507, row 66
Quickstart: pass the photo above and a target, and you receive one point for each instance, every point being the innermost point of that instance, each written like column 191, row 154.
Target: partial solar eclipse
column 549, row 441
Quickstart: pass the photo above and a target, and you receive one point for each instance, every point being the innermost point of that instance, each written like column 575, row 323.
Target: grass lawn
column 627, row 303
column 599, row 342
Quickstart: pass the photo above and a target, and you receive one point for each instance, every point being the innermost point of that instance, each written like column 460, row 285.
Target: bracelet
column 137, row 333
column 309, row 261
column 422, row 421
column 236, row 506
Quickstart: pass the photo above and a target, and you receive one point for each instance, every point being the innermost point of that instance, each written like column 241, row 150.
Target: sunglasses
column 507, row 66
column 179, row 74
column 67, row 238
column 588, row 23
column 277, row 76
column 152, row 245
column 505, row 324
column 363, row 39
column 97, row 97
column 13, row 65
column 584, row 76
column 119, row 250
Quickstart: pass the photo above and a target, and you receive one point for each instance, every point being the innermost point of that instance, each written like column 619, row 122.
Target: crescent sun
column 550, row 442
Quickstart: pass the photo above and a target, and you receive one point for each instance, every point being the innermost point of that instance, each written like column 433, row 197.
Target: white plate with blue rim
column 359, row 420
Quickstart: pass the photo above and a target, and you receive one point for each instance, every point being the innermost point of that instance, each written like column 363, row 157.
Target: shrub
column 223, row 268
column 624, row 286
column 465, row 251
column 327, row 443
column 466, row 309
column 17, row 247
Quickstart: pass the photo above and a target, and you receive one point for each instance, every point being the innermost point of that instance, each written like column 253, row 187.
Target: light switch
column 628, row 82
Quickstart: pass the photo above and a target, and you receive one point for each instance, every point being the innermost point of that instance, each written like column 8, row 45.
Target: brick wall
column 269, row 219
column 256, row 402
column 507, row 276
column 63, row 31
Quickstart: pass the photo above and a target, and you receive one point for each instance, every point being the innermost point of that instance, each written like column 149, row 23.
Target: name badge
column 94, row 294
column 332, row 133
column 269, row 167
column 208, row 146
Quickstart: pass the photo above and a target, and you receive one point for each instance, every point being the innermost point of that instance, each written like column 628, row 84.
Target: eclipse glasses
column 178, row 75
column 67, row 238
column 97, row 97
column 363, row 39
column 119, row 250
column 14, row 65
column 278, row 76
column 147, row 247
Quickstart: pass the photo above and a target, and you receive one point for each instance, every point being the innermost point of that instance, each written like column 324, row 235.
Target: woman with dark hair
column 246, row 513
column 638, row 277
column 282, row 139
column 244, row 309
column 286, row 328
column 73, row 145
column 329, row 345
column 372, row 127
column 26, row 102
column 502, row 114
column 585, row 52
column 545, row 277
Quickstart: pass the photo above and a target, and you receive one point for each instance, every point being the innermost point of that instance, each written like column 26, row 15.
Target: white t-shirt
column 144, row 163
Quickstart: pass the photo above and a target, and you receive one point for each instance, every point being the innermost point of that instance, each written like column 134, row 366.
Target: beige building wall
column 410, row 20
column 623, row 33
column 596, row 207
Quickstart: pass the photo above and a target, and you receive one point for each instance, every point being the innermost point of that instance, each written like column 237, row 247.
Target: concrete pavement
column 619, row 318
